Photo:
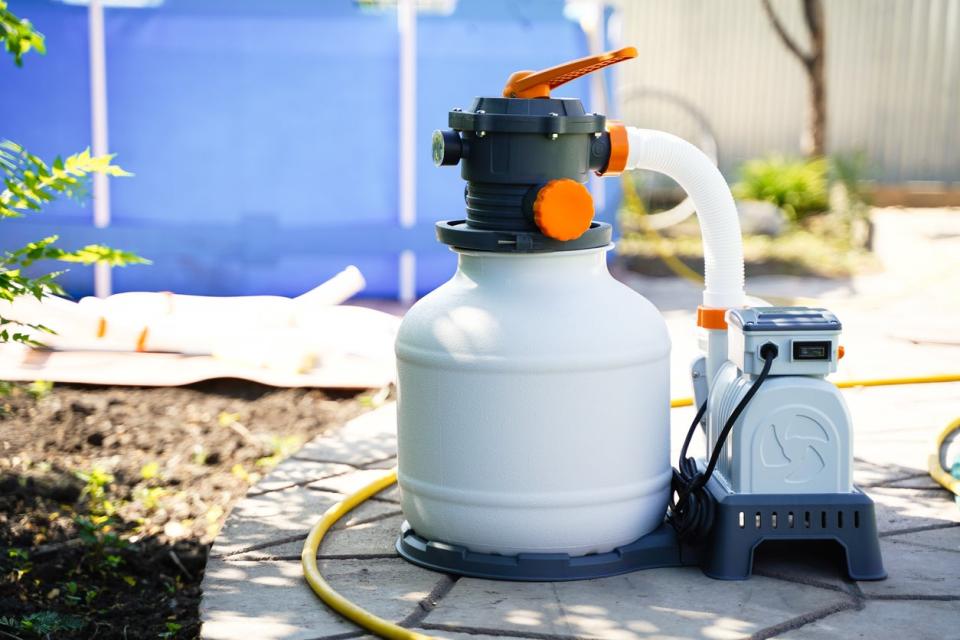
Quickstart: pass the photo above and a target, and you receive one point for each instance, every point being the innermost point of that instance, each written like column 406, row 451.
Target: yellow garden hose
column 935, row 462
column 385, row 629
column 324, row 591
column 850, row 384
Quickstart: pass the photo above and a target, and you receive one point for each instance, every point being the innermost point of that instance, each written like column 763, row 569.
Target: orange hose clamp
column 619, row 149
column 711, row 317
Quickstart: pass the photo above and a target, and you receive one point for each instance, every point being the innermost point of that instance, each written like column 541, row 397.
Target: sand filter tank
column 500, row 451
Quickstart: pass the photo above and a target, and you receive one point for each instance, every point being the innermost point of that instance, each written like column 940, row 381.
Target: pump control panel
column 806, row 339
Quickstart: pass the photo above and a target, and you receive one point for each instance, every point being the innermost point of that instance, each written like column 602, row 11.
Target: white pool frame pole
column 407, row 27
column 593, row 25
column 102, row 276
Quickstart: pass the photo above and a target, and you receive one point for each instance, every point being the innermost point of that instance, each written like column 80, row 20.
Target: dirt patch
column 111, row 496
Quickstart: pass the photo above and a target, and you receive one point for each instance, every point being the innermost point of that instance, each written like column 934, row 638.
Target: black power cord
column 691, row 507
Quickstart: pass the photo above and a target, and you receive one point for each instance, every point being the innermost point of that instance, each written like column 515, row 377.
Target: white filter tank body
column 534, row 407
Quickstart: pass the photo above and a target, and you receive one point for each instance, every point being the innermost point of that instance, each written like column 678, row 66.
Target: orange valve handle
column 537, row 84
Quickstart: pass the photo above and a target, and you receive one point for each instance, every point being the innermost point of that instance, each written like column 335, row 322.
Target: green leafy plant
column 18, row 35
column 29, row 183
column 150, row 497
column 850, row 200
column 44, row 623
column 97, row 531
column 799, row 187
column 20, row 563
column 95, row 485
column 847, row 170
column 39, row 389
column 280, row 448
column 171, row 630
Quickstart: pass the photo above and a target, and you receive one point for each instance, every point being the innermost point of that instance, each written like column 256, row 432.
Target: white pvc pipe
column 146, row 306
column 182, row 323
column 719, row 223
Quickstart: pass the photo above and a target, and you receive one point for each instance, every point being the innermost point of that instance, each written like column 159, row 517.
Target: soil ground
column 110, row 496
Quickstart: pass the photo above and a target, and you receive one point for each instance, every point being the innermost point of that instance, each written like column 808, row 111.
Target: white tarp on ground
column 163, row 339
column 170, row 369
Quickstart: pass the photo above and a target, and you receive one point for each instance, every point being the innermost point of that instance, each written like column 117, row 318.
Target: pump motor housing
column 794, row 436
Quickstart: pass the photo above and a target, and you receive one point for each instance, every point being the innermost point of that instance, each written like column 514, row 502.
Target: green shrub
column 848, row 170
column 799, row 187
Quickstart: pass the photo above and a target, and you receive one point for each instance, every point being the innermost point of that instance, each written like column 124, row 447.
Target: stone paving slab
column 876, row 620
column 453, row 635
column 283, row 515
column 364, row 539
column 675, row 602
column 358, row 539
column 945, row 538
column 361, row 534
column 904, row 509
column 350, row 483
column 917, row 481
column 868, row 474
column 270, row 600
column 366, row 440
column 291, row 473
column 917, row 571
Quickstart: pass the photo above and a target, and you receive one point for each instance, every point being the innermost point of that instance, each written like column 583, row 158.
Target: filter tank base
column 658, row 548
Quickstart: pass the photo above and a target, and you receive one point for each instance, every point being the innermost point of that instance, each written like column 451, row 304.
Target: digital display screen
column 811, row 350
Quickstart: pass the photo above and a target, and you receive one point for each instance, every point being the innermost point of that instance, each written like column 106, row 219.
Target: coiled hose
column 936, row 463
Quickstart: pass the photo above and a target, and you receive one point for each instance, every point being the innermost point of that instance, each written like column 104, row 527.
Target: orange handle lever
column 537, row 84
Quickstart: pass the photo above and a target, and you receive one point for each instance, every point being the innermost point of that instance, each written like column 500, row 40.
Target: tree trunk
column 813, row 141
column 816, row 127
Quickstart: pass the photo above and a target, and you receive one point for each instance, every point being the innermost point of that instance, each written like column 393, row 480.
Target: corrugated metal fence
column 893, row 80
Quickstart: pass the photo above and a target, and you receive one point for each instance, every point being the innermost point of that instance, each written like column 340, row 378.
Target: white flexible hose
column 629, row 96
column 719, row 223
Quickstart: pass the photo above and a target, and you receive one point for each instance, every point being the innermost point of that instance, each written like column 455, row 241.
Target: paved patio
column 895, row 323
column 253, row 587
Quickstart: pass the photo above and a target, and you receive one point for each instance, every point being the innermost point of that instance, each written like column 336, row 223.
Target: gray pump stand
column 742, row 521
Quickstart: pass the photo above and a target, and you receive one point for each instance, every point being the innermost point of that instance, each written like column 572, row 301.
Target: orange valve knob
column 563, row 209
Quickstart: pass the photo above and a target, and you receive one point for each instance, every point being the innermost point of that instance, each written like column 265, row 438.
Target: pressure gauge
column 447, row 148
